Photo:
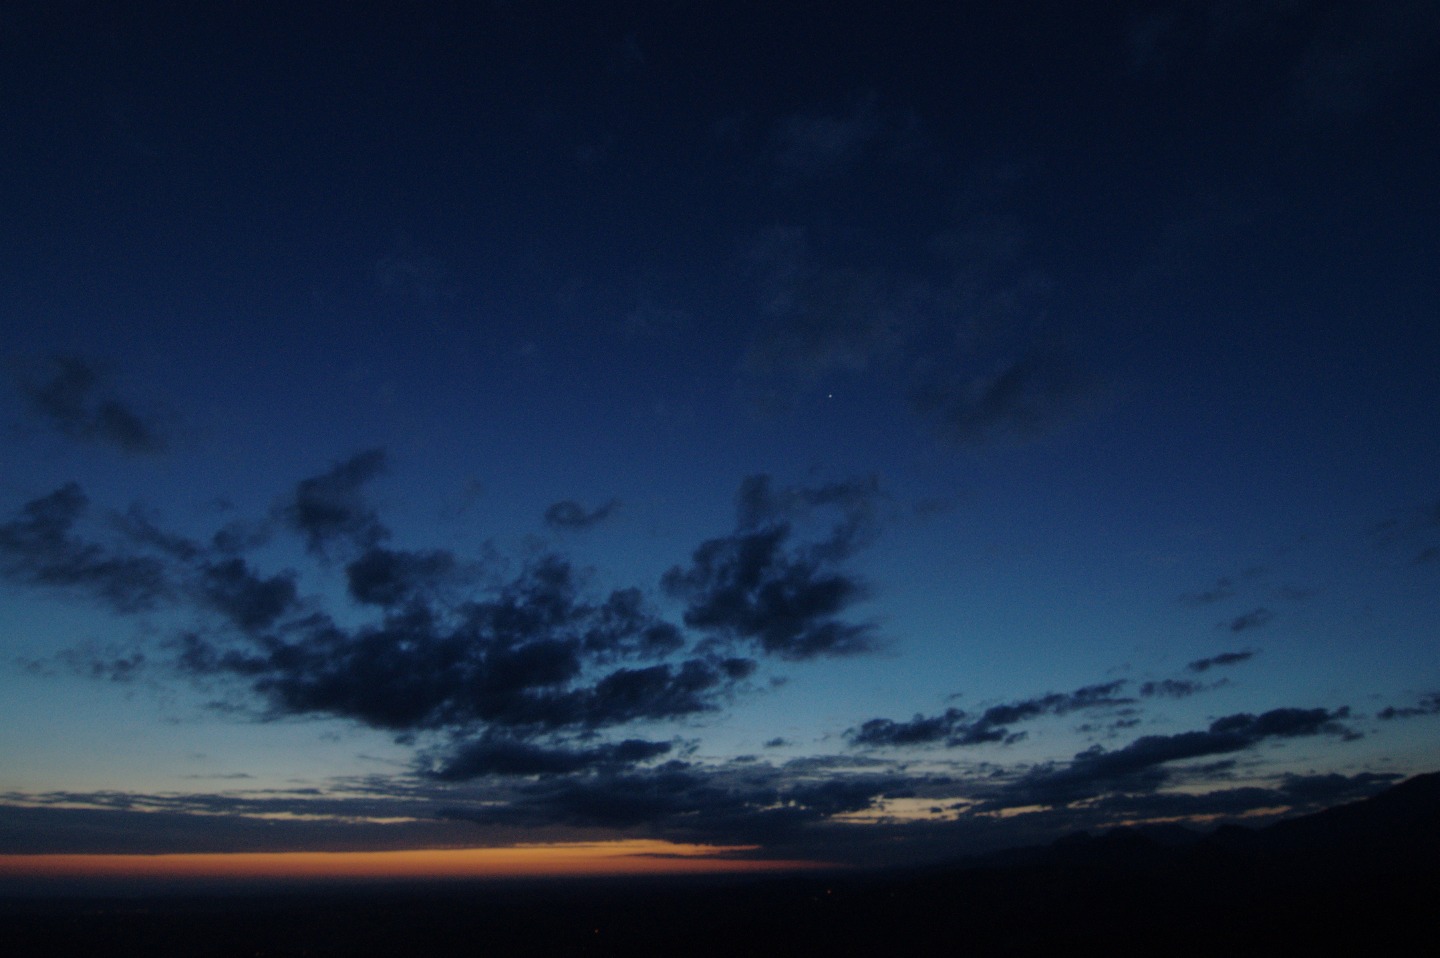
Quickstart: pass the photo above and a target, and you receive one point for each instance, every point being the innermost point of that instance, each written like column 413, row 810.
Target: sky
column 774, row 433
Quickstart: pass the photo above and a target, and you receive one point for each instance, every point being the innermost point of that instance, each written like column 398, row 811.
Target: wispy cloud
column 956, row 332
column 1171, row 688
column 1022, row 398
column 1253, row 619
column 1216, row 661
column 74, row 397
column 814, row 143
column 1428, row 705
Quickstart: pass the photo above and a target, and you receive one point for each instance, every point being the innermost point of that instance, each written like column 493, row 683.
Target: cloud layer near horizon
column 528, row 689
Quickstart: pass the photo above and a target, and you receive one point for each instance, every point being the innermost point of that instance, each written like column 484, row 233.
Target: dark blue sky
column 713, row 422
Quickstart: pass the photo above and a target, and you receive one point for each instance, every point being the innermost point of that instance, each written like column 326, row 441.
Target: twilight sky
column 852, row 437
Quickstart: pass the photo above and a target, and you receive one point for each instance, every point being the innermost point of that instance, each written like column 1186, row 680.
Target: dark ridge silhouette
column 1361, row 878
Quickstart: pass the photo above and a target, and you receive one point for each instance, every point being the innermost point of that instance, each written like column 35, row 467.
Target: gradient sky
column 842, row 437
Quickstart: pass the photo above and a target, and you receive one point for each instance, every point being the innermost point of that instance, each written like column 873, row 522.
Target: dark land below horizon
column 1362, row 878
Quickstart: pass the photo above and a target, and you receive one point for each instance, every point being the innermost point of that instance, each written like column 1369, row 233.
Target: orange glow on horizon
column 566, row 859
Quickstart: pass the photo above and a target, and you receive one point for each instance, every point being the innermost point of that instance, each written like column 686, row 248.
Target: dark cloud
column 1253, row 619
column 1283, row 723
column 759, row 503
column 1429, row 705
column 389, row 577
column 956, row 728
column 250, row 601
column 1021, row 399
column 742, row 802
column 38, row 548
column 73, row 398
column 446, row 649
column 529, row 660
column 331, row 508
column 920, row 730
column 752, row 586
column 570, row 514
column 503, row 755
column 1139, row 766
column 1171, row 688
column 1215, row 661
column 758, row 585
column 738, row 803
column 623, row 628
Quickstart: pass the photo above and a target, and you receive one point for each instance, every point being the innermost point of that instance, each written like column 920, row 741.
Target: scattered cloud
column 1141, row 765
column 955, row 727
column 39, row 548
column 531, row 660
column 796, row 809
column 747, row 802
column 759, row 584
column 519, row 671
column 530, row 687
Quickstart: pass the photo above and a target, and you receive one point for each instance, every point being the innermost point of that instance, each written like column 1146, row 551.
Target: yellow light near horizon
column 630, row 857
